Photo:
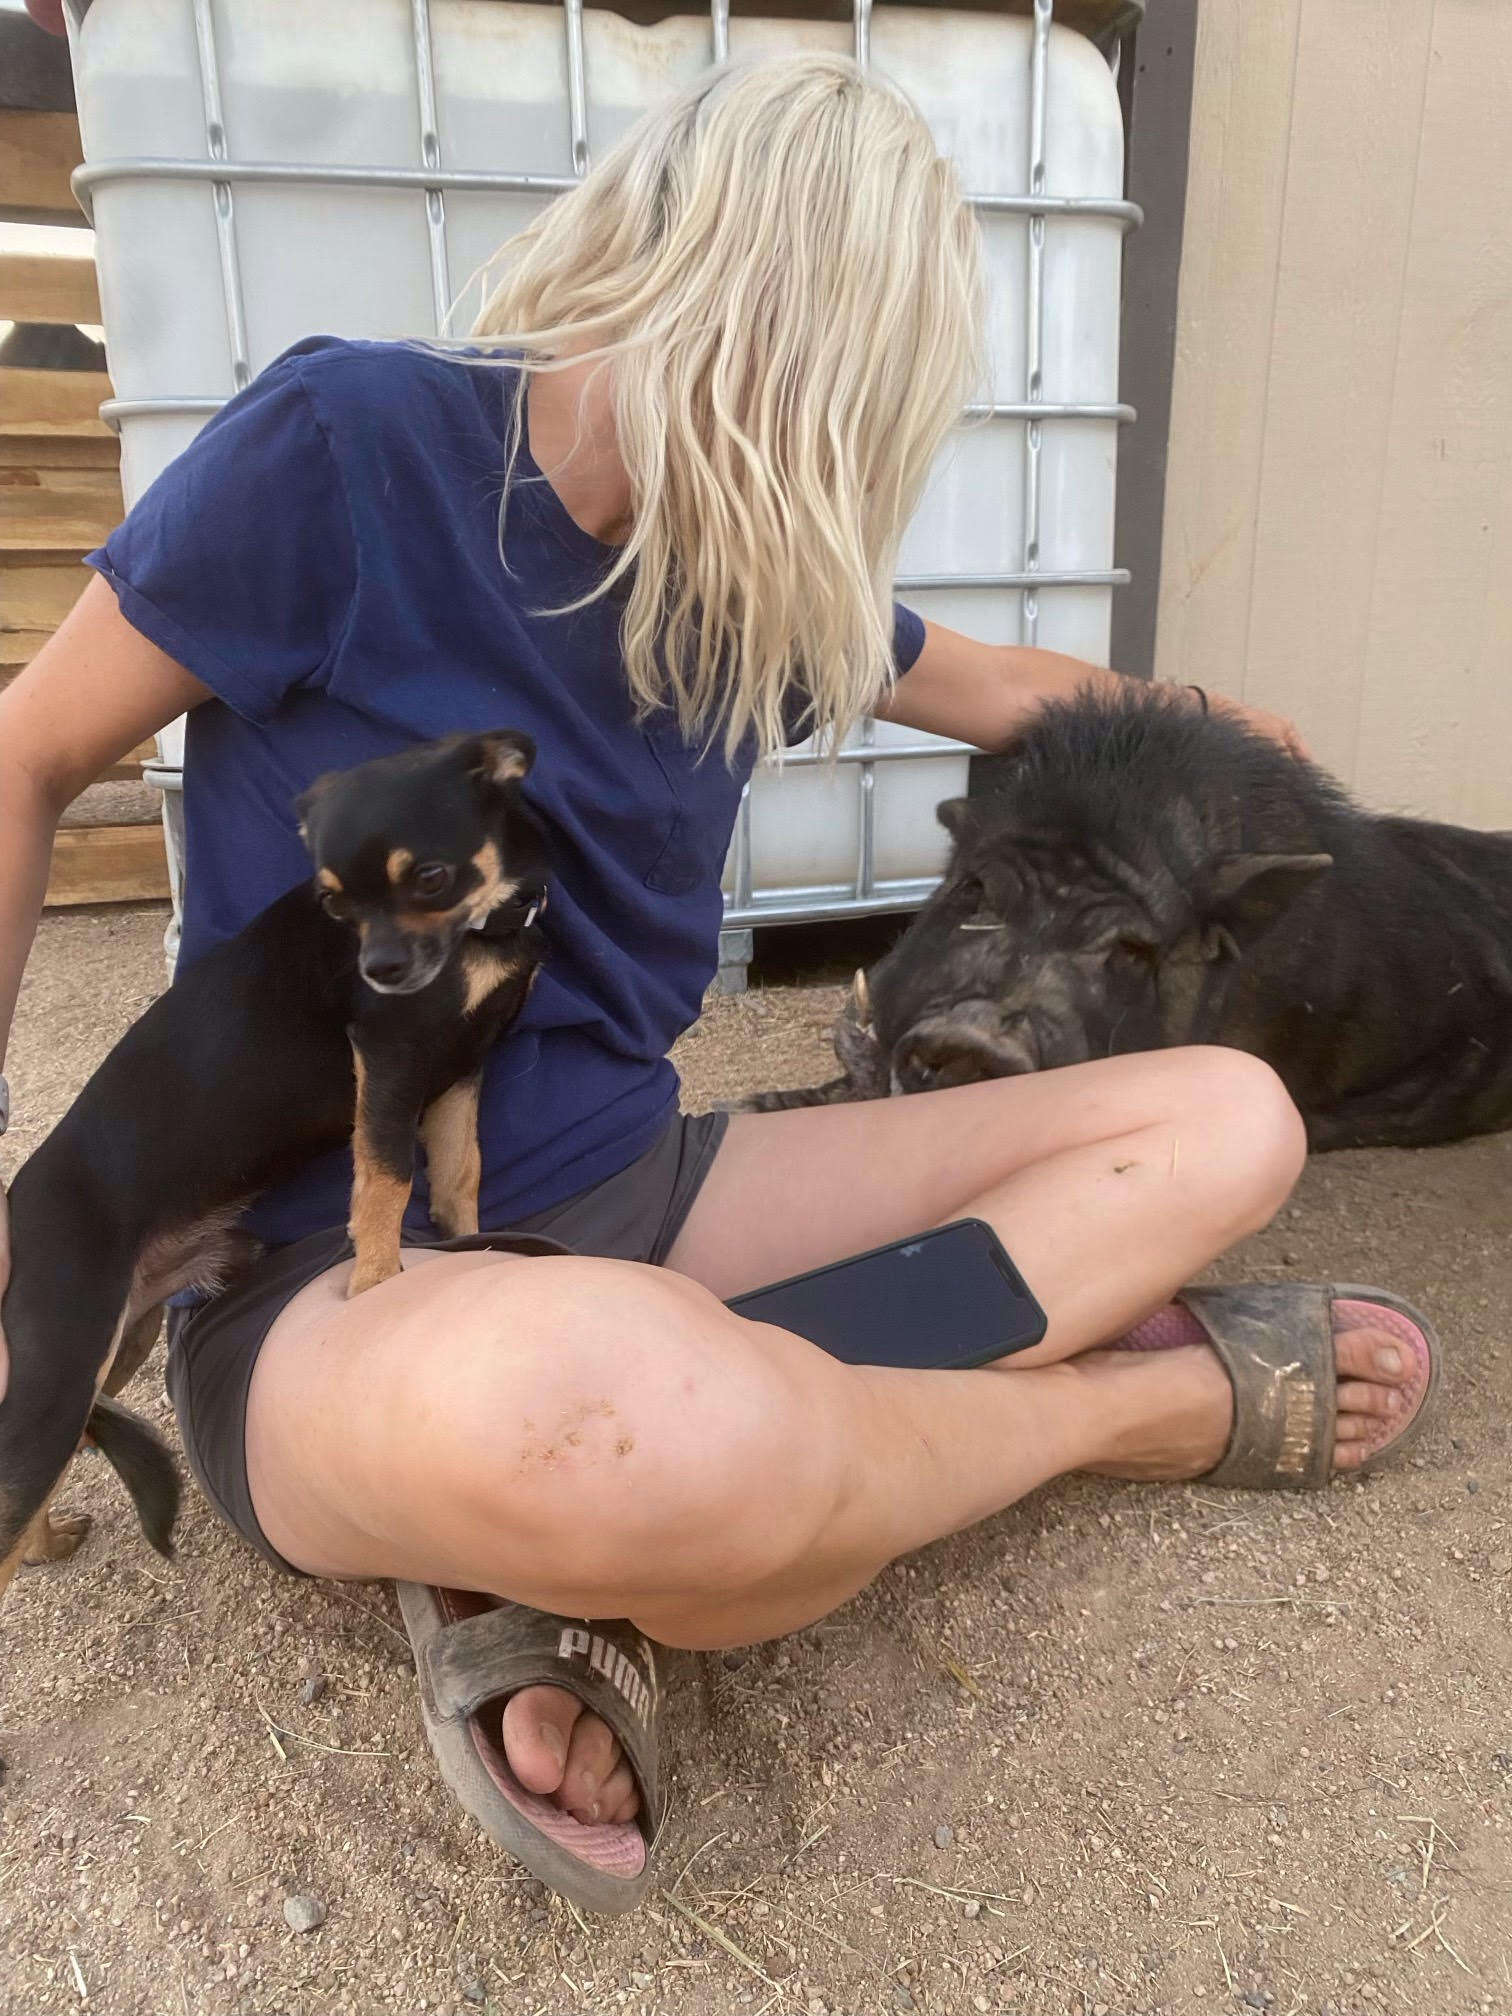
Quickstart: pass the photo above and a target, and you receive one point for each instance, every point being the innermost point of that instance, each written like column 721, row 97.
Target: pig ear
column 1248, row 892
column 954, row 815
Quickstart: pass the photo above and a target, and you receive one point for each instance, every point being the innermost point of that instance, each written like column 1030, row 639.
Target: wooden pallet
column 60, row 496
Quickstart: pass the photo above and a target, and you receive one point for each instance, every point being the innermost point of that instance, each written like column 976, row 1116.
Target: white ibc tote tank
column 261, row 170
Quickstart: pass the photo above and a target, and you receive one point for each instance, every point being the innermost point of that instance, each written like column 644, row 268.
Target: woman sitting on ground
column 651, row 518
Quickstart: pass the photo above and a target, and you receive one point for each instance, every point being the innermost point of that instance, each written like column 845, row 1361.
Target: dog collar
column 518, row 914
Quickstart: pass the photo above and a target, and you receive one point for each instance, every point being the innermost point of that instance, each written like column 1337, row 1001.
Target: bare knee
column 1255, row 1139
column 622, row 1431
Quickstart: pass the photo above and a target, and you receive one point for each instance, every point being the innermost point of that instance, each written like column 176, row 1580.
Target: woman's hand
column 986, row 693
column 1275, row 727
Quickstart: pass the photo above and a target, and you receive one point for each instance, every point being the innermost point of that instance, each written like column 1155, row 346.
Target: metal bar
column 1127, row 214
column 794, row 906
column 1034, row 313
column 719, row 29
column 430, row 155
column 577, row 85
column 114, row 411
column 1022, row 409
column 160, row 168
column 1101, row 577
column 225, row 212
column 117, row 409
column 743, row 850
column 862, row 10
column 899, row 752
column 866, row 865
column 316, row 174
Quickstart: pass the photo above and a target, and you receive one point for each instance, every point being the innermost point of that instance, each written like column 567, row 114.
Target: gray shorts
column 212, row 1349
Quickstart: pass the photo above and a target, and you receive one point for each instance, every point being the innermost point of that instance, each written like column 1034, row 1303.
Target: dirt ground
column 1123, row 1749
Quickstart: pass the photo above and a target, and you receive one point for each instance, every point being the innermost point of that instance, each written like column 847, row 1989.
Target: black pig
column 1146, row 875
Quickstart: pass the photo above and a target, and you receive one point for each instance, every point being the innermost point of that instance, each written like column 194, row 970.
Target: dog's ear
column 307, row 808
column 501, row 757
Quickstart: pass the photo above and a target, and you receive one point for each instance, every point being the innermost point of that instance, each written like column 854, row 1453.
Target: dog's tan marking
column 399, row 863
column 378, row 1205
column 11, row 1563
column 378, row 1201
column 449, row 1129
column 485, row 971
column 137, row 1340
column 495, row 887
column 53, row 1536
column 329, row 880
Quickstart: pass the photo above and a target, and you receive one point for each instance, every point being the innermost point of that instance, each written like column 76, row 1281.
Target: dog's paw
column 369, row 1274
column 55, row 1536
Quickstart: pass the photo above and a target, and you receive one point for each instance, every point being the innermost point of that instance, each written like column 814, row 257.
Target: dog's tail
column 70, row 1278
column 140, row 1458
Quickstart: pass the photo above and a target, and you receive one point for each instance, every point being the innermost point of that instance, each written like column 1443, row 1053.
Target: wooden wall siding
column 1338, row 520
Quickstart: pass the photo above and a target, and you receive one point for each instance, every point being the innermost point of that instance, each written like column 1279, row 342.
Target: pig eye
column 431, row 878
column 1138, row 948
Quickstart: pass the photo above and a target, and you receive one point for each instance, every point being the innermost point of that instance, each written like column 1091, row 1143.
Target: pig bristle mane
column 1148, row 761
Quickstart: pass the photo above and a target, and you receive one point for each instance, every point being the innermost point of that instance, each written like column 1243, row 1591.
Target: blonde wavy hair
column 780, row 273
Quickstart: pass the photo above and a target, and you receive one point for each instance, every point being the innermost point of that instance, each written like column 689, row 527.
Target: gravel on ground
column 1124, row 1749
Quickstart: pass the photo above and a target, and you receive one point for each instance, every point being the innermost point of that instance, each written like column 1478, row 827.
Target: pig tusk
column 861, row 998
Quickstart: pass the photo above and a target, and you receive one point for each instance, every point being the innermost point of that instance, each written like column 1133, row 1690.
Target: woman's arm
column 983, row 693
column 94, row 691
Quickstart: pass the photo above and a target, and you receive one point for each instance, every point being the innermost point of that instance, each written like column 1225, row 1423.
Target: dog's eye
column 432, row 878
column 331, row 904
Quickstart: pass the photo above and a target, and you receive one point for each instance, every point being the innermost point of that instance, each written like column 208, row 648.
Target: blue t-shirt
column 325, row 557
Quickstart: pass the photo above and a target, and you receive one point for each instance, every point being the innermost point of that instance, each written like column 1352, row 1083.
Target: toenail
column 595, row 1811
column 1388, row 1359
column 553, row 1741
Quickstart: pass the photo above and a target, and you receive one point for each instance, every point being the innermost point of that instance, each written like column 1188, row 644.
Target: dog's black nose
column 385, row 969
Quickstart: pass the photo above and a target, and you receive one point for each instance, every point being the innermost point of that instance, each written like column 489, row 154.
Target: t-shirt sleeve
column 908, row 638
column 239, row 561
column 908, row 642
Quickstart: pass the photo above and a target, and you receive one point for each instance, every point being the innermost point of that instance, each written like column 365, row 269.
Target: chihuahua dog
column 359, row 1006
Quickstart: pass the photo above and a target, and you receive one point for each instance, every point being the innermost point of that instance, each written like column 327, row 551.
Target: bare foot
column 556, row 1748
column 1169, row 1413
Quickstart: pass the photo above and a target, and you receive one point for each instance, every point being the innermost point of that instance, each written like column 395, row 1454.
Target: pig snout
column 962, row 1047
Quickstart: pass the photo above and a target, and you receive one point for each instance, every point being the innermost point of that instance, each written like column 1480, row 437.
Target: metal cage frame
column 744, row 906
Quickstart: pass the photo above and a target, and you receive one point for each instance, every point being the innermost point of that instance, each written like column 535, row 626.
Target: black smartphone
column 940, row 1301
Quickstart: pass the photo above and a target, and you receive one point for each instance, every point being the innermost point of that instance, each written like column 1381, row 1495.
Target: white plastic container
column 259, row 170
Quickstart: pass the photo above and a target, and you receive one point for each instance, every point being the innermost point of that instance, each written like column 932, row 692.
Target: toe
column 1371, row 1354
column 539, row 1726
column 591, row 1762
column 617, row 1798
column 1362, row 1396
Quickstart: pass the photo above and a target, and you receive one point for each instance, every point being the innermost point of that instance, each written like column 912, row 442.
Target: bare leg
column 608, row 1438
